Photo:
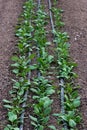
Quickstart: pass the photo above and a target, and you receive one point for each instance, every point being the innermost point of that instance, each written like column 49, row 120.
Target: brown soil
column 74, row 16
column 9, row 12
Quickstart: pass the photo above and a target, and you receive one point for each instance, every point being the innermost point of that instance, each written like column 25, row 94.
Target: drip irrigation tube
column 51, row 18
column 61, row 80
column 38, row 55
column 39, row 3
column 24, row 104
column 23, row 112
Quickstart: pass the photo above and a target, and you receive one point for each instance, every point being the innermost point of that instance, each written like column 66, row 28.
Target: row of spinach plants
column 42, row 88
column 21, row 67
column 72, row 115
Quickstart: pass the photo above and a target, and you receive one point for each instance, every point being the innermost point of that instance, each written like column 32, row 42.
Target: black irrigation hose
column 51, row 18
column 24, row 104
column 61, row 80
column 39, row 3
column 23, row 112
column 38, row 55
column 62, row 102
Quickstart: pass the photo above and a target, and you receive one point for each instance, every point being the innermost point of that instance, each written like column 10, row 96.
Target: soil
column 75, row 17
column 9, row 12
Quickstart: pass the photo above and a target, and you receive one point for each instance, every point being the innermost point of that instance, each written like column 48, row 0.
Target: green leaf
column 52, row 127
column 33, row 118
column 16, row 128
column 15, row 58
column 21, row 92
column 36, row 97
column 36, row 110
column 6, row 101
column 50, row 91
column 15, row 65
column 41, row 127
column 72, row 123
column 6, row 128
column 45, row 119
column 34, row 90
column 78, row 119
column 63, row 117
column 56, row 114
column 48, row 43
column 33, row 123
column 12, row 116
column 32, row 67
column 31, row 56
column 76, row 102
column 16, row 85
column 71, row 113
column 47, row 111
column 75, row 94
column 8, row 106
column 20, row 46
column 47, row 102
column 50, row 58
column 16, row 71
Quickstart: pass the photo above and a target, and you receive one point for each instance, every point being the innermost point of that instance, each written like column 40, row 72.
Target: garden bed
column 74, row 17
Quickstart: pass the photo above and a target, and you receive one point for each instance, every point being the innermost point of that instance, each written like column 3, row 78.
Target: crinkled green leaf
column 12, row 116
column 76, row 102
column 72, row 123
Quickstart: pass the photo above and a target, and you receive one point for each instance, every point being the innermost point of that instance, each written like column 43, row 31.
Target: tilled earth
column 9, row 12
column 75, row 18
